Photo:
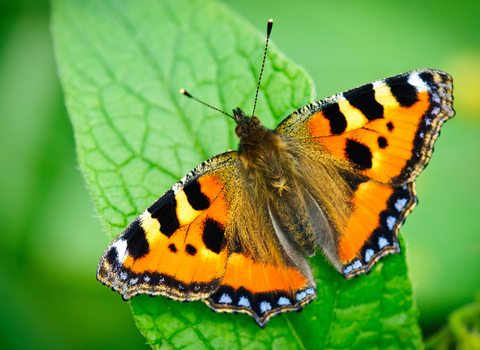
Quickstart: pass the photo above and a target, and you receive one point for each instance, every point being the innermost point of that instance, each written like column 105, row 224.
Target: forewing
column 178, row 247
column 384, row 130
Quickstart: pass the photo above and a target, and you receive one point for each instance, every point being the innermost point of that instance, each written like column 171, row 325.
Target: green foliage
column 121, row 65
column 461, row 332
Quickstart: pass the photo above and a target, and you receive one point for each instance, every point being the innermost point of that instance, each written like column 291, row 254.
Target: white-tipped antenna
column 184, row 92
column 269, row 30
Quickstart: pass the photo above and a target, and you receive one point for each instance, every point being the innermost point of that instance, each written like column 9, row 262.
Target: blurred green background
column 51, row 239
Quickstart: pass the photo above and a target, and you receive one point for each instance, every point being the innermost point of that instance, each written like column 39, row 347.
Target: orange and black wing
column 384, row 130
column 178, row 247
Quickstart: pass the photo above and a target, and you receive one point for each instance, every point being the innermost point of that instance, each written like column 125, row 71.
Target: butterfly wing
column 178, row 247
column 384, row 130
column 379, row 137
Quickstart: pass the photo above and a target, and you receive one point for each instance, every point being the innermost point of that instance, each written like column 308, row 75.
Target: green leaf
column 121, row 66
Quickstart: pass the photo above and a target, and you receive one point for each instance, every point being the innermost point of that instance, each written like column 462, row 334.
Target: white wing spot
column 243, row 301
column 436, row 98
column 415, row 80
column 310, row 291
column 400, row 204
column 301, row 296
column 348, row 269
column 422, row 135
column 161, row 280
column 144, row 215
column 282, row 301
column 265, row 306
column 404, row 187
column 391, row 220
column 225, row 299
column 428, row 121
column 357, row 264
column 146, row 278
column 121, row 247
column 133, row 280
column 378, row 83
column 383, row 242
column 123, row 275
column 436, row 110
column 368, row 254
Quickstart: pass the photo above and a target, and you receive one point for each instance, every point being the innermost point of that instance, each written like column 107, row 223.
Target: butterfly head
column 247, row 127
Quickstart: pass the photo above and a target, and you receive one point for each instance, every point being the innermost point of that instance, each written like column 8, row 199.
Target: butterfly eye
column 239, row 131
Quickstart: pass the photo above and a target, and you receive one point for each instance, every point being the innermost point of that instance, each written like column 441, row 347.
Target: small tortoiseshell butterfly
column 338, row 173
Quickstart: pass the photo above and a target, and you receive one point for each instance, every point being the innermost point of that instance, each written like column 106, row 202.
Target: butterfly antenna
column 269, row 30
column 184, row 92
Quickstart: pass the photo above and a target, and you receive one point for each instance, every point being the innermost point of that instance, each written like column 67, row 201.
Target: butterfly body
column 336, row 176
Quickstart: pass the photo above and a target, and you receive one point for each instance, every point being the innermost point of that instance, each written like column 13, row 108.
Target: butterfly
column 338, row 174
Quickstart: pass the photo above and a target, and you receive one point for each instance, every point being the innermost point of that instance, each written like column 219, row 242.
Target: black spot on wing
column 363, row 98
column 337, row 120
column 382, row 142
column 112, row 255
column 190, row 249
column 195, row 197
column 428, row 78
column 213, row 233
column 404, row 93
column 137, row 244
column 112, row 262
column 164, row 210
column 172, row 248
column 390, row 126
column 359, row 154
